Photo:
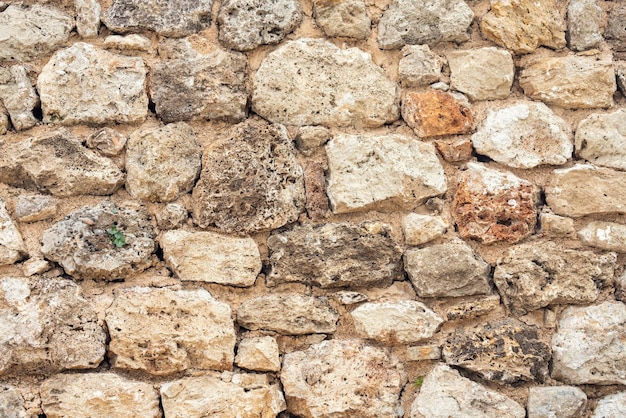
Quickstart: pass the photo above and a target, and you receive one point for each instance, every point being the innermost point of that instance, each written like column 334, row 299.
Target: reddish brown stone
column 315, row 190
column 453, row 150
column 436, row 113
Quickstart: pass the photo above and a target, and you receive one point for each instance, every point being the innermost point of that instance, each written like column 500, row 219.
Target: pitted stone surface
column 250, row 181
column 12, row 247
column 313, row 82
column 436, row 113
column 601, row 139
column 334, row 255
column 482, row 74
column 556, row 401
column 189, row 329
column 612, row 406
column 584, row 20
column 107, row 141
column 419, row 66
column 171, row 216
column 18, row 96
column 12, row 403
column 87, row 17
column 605, row 235
column 347, row 18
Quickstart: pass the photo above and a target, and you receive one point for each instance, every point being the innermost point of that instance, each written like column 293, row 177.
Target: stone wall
column 327, row 208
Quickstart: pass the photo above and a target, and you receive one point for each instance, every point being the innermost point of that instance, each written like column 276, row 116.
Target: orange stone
column 436, row 113
column 455, row 150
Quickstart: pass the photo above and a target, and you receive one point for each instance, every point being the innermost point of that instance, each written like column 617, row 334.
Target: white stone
column 34, row 266
column 612, row 406
column 35, row 208
column 420, row 229
column 87, row 17
column 419, row 66
column 258, row 353
column 605, row 235
column 601, row 139
column 12, row 403
column 11, row 243
column 129, row 42
column 556, row 402
column 18, row 96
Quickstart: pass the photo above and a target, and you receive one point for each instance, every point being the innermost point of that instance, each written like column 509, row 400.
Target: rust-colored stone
column 436, row 113
column 455, row 150
column 315, row 190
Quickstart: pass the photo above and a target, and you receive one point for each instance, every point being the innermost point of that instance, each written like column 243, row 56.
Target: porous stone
column 556, row 225
column 35, row 208
column 419, row 66
column 347, row 18
column 247, row 24
column 482, row 74
column 313, row 82
column 445, row 393
column 420, row 229
column 288, row 314
column 309, row 138
column 167, row 18
column 588, row 345
column 171, row 216
column 342, row 378
column 18, row 96
column 584, row 19
column 401, row 322
column 505, row 351
column 615, row 26
column 524, row 25
column 31, row 32
column 194, row 81
column 317, row 204
column 134, row 42
column 534, row 275
column 605, row 235
column 468, row 308
column 189, row 329
column 348, row 297
column 334, row 255
column 387, row 172
column 611, row 406
column 87, row 17
column 258, row 353
column 447, row 270
column 456, row 149
column 601, row 139
column 436, row 113
column 162, row 163
column 585, row 189
column 12, row 403
column 12, row 247
column 86, row 84
column 237, row 395
column 556, row 401
column 47, row 326
column 571, row 82
column 98, row 395
column 423, row 352
column 211, row 257
column 107, row 141
column 250, row 181
column 435, row 21
column 86, row 246
column 524, row 135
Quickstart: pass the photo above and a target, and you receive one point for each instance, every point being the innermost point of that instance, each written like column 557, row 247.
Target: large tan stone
column 601, row 139
column 436, row 113
column 12, row 247
column 482, row 74
column 605, row 235
column 18, row 96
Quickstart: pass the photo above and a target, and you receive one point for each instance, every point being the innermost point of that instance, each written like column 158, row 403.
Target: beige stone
column 468, row 308
column 556, row 225
column 87, row 17
column 18, row 96
column 172, row 216
column 423, row 352
column 107, row 141
column 12, row 403
column 605, row 235
column 584, row 21
column 5, row 124
column 420, row 229
column 601, row 139
column 310, row 138
column 34, row 266
column 611, row 406
column 134, row 42
column 347, row 18
column 259, row 354
column 12, row 247
column 419, row 66
column 482, row 74
column 556, row 401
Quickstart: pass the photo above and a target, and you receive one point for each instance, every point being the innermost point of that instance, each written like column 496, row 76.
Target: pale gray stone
column 419, row 66
column 35, row 208
column 107, row 141
column 423, row 352
column 601, row 139
column 18, row 96
column 605, row 235
column 348, row 297
column 611, row 406
column 584, row 20
column 87, row 17
column 171, row 216
column 12, row 247
column 346, row 18
column 133, row 42
column 420, row 229
column 258, row 353
column 615, row 26
column 12, row 403
column 556, row 401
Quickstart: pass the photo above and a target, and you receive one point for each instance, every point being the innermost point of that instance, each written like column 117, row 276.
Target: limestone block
column 342, row 378
column 588, row 345
column 313, row 82
column 47, row 326
column 162, row 163
column 12, row 247
column 132, row 42
column 250, row 181
column 556, row 225
column 34, row 266
column 18, row 96
column 611, row 406
column 87, row 17
column 423, row 352
column 468, row 308
column 211, row 257
column 87, row 244
column 601, row 139
column 436, row 113
column 456, row 149
column 347, row 18
column 435, row 21
column 12, row 403
column 317, row 204
column 615, row 26
column 107, row 141
column 605, row 235
column 334, row 255
column 35, row 208
column 420, row 229
column 309, row 138
column 98, row 395
column 447, row 270
column 524, row 25
column 247, row 24
column 571, row 82
column 584, row 21
column 388, row 172
column 258, row 353
column 189, row 329
column 349, row 297
column 171, row 216
column 556, row 401
column 288, row 314
column 482, row 74
column 419, row 66
column 86, row 84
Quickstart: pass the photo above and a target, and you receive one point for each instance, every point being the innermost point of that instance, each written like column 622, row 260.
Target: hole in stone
column 152, row 107
column 38, row 113
column 483, row 158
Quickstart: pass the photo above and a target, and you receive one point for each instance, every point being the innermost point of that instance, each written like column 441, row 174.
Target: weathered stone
column 258, row 353
column 491, row 205
column 401, row 322
column 482, row 74
column 434, row 21
column 35, row 208
column 313, row 82
column 605, row 235
column 556, row 225
column 188, row 329
column 601, row 139
column 171, row 216
column 129, row 42
column 456, row 149
column 47, row 326
column 317, row 204
column 381, row 172
column 556, row 401
column 468, row 308
column 162, row 163
column 27, row 33
column 237, row 395
column 348, row 297
column 5, row 124
column 436, row 113
column 505, row 351
column 19, row 96
column 346, row 18
column 101, row 242
column 342, row 378
column 446, row 270
column 247, row 24
column 289, row 314
column 585, row 189
column 612, row 406
column 85, row 84
column 12, row 403
column 12, row 247
column 588, row 345
column 309, row 138
column 615, row 26
column 419, row 66
column 524, row 135
column 334, row 255
column 107, row 141
column 445, row 393
column 211, row 257
column 534, row 275
column 423, row 352
column 87, row 18
column 167, row 18
column 584, row 19
column 620, row 69
column 250, row 181
column 572, row 82
column 98, row 395
column 34, row 266
column 420, row 229
column 524, row 25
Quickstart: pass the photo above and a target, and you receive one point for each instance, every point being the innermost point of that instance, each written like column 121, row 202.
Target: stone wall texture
column 312, row 208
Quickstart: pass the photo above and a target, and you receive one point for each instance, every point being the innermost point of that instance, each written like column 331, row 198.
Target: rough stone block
column 419, row 66
column 556, row 401
column 12, row 247
column 420, row 229
column 436, row 113
column 605, row 235
column 87, row 17
column 18, row 96
column 482, row 74
column 584, row 20
column 601, row 139
column 35, row 208
column 258, row 353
